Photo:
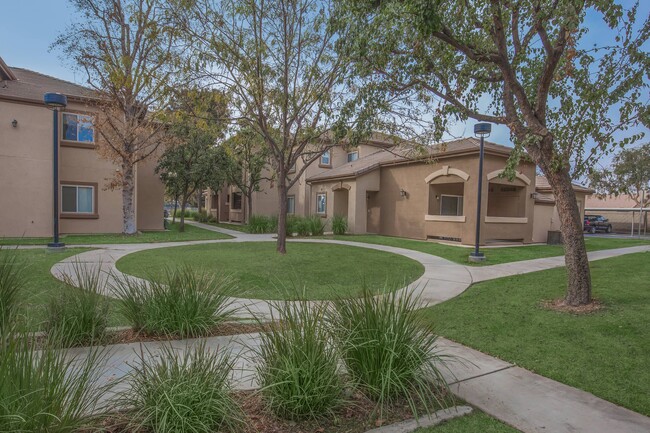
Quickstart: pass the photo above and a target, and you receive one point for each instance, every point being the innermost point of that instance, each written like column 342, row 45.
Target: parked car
column 597, row 223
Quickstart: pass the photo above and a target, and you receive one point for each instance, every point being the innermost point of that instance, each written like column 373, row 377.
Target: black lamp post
column 481, row 130
column 55, row 101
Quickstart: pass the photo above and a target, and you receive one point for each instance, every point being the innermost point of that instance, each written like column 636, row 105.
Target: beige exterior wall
column 26, row 178
column 25, row 170
column 547, row 218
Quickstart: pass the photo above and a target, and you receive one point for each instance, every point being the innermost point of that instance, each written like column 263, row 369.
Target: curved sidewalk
column 441, row 280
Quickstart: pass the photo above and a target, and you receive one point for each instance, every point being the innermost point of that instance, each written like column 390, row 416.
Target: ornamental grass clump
column 183, row 392
column 339, row 225
column 389, row 352
column 259, row 224
column 12, row 282
column 81, row 312
column 182, row 302
column 298, row 371
column 45, row 389
column 316, row 225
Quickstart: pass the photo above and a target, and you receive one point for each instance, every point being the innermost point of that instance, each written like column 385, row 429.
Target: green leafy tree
column 517, row 63
column 248, row 158
column 193, row 160
column 629, row 174
column 126, row 49
column 276, row 60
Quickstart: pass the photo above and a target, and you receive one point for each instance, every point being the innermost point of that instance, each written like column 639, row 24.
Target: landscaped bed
column 494, row 256
column 606, row 352
column 172, row 234
column 317, row 271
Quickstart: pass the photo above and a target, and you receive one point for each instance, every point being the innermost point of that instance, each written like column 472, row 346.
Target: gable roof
column 541, row 184
column 24, row 85
column 396, row 155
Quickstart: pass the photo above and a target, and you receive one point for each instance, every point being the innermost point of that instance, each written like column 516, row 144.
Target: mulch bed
column 358, row 416
column 559, row 305
column 224, row 329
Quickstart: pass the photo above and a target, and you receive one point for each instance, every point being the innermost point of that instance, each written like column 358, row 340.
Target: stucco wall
column 26, row 177
column 25, row 170
column 150, row 196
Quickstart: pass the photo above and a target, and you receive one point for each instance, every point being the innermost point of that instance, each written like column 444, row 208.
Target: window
column 291, row 204
column 353, row 156
column 78, row 127
column 236, row 200
column 451, row 205
column 325, row 159
column 77, row 199
column 321, row 203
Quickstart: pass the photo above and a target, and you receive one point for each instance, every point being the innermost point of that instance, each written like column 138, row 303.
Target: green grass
column 237, row 227
column 494, row 255
column 322, row 271
column 606, row 353
column 191, row 233
column 476, row 422
column 42, row 288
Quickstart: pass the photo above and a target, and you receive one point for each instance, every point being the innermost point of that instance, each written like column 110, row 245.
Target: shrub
column 45, row 389
column 12, row 282
column 298, row 372
column 188, row 213
column 293, row 224
column 389, row 352
column 339, row 225
column 316, row 225
column 201, row 216
column 177, row 301
column 80, row 313
column 258, row 224
column 273, row 224
column 187, row 392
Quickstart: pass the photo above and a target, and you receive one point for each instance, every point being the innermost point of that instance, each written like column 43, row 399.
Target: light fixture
column 402, row 192
column 14, row 123
column 54, row 101
column 480, row 130
column 534, row 195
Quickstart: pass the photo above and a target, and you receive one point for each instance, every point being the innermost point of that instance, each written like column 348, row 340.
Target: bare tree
column 126, row 49
column 277, row 62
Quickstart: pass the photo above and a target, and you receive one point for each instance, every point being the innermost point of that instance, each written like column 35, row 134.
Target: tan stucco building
column 26, row 164
column 428, row 197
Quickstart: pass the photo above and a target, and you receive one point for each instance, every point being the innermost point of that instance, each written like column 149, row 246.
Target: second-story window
column 326, row 159
column 78, row 127
column 353, row 156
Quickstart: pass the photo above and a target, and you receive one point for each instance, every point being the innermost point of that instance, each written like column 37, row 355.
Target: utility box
column 554, row 237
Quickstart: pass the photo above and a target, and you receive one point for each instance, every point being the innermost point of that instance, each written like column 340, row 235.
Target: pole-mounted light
column 480, row 130
column 55, row 101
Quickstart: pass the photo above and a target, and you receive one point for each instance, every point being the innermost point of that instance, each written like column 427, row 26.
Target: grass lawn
column 322, row 271
column 237, row 227
column 191, row 233
column 42, row 287
column 476, row 422
column 606, row 353
column 494, row 255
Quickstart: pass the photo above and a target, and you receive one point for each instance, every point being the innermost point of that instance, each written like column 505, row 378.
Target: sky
column 28, row 28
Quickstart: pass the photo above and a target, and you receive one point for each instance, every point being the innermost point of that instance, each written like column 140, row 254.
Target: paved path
column 516, row 396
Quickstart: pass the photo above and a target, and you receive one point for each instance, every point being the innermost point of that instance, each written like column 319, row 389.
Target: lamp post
column 481, row 130
column 55, row 101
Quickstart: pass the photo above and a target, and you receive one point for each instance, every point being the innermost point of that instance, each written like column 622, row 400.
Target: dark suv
column 594, row 223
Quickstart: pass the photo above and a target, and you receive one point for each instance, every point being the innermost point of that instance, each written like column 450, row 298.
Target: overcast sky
column 28, row 28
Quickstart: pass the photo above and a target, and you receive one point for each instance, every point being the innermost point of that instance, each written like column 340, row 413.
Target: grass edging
column 434, row 419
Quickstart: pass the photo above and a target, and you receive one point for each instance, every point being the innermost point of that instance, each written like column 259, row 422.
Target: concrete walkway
column 518, row 397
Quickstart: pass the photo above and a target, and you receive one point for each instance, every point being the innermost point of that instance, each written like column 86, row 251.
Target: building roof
column 25, row 85
column 541, row 184
column 610, row 201
column 398, row 155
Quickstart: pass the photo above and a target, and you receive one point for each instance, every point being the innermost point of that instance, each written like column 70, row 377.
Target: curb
column 435, row 418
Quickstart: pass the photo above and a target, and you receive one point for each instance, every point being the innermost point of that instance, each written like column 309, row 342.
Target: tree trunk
column 128, row 199
column 199, row 195
column 577, row 264
column 249, row 199
column 181, row 224
column 175, row 208
column 282, row 214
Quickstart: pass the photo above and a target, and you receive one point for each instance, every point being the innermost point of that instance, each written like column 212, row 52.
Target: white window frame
column 92, row 199
column 65, row 113
column 291, row 199
column 324, row 212
column 355, row 152
column 457, row 197
column 329, row 158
